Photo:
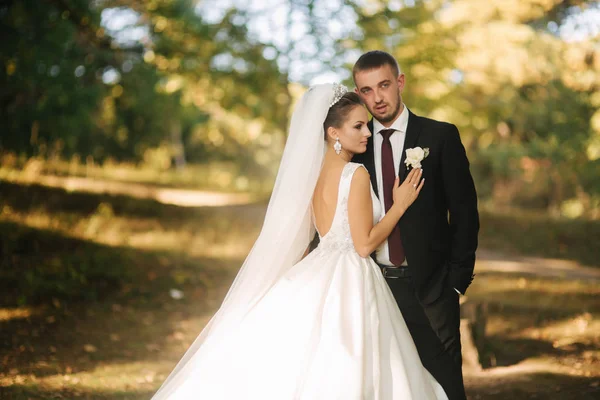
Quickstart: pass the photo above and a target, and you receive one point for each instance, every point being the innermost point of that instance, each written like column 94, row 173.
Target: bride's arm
column 365, row 236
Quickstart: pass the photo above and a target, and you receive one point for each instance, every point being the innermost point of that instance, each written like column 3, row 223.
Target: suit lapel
column 413, row 130
column 370, row 159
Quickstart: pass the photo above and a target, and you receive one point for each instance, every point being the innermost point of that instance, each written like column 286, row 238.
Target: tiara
column 338, row 91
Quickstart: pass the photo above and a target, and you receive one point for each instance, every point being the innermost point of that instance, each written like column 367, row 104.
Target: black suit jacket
column 439, row 230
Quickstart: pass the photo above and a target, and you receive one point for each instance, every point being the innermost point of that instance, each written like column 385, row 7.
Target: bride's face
column 353, row 133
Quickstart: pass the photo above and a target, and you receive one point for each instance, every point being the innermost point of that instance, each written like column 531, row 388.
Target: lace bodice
column 338, row 238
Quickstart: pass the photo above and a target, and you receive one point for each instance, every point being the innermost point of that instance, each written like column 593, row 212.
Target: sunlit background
column 139, row 142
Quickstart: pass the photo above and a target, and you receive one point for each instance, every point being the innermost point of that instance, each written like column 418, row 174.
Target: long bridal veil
column 286, row 232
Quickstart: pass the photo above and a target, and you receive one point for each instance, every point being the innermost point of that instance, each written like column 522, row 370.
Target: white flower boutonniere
column 415, row 155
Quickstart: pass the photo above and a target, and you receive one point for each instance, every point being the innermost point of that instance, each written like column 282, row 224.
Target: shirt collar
column 400, row 124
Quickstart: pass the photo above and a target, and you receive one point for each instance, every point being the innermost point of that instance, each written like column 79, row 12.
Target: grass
column 87, row 308
column 57, row 243
column 535, row 234
column 36, row 267
column 88, row 311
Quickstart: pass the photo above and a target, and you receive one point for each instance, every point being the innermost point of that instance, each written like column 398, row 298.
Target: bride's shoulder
column 360, row 184
column 356, row 167
column 360, row 174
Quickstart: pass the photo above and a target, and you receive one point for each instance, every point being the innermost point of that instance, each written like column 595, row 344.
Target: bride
column 324, row 325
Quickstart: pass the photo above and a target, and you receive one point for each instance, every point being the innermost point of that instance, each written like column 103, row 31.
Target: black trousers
column 435, row 329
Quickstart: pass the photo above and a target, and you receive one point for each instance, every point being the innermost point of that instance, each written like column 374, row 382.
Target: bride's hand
column 404, row 195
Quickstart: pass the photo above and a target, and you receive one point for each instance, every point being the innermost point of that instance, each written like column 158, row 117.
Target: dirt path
column 492, row 261
column 178, row 197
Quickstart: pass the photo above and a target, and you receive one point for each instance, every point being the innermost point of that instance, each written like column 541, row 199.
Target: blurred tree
column 61, row 89
column 523, row 95
column 48, row 72
column 229, row 95
column 74, row 83
column 115, row 78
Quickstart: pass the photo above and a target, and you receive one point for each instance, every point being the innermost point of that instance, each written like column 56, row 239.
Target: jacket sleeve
column 314, row 242
column 461, row 199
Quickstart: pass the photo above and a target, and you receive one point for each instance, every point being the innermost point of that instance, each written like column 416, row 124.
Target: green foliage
column 73, row 87
column 41, row 95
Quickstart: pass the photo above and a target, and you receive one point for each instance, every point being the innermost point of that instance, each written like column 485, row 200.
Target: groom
column 429, row 257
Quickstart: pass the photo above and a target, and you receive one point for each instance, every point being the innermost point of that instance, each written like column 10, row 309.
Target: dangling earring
column 337, row 146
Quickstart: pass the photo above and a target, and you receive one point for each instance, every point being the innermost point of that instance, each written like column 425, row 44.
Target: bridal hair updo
column 339, row 111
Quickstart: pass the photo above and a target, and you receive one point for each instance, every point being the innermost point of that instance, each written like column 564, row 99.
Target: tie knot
column 386, row 133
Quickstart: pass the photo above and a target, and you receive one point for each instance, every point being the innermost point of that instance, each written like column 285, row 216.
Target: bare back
column 325, row 197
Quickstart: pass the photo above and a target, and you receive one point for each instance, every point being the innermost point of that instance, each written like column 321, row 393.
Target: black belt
column 394, row 272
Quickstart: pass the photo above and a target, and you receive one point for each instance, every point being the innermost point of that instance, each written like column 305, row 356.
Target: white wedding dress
column 328, row 329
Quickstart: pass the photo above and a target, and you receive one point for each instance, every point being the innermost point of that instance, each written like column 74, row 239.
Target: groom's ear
column 401, row 82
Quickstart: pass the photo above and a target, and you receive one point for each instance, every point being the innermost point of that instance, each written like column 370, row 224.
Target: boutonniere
column 415, row 155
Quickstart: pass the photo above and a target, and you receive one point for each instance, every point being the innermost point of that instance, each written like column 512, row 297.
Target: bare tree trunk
column 557, row 192
column 177, row 144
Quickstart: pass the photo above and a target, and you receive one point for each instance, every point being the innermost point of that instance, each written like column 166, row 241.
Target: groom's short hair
column 375, row 59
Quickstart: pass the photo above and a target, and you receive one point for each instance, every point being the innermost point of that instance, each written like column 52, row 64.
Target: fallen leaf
column 89, row 348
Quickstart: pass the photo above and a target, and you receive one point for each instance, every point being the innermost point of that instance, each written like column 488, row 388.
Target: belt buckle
column 385, row 274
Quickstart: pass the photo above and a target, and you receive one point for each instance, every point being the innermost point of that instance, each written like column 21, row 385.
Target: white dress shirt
column 397, row 140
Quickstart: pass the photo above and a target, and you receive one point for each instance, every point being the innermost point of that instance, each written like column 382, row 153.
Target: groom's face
column 381, row 90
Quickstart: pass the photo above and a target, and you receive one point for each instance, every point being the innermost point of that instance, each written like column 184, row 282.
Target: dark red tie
column 388, row 173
